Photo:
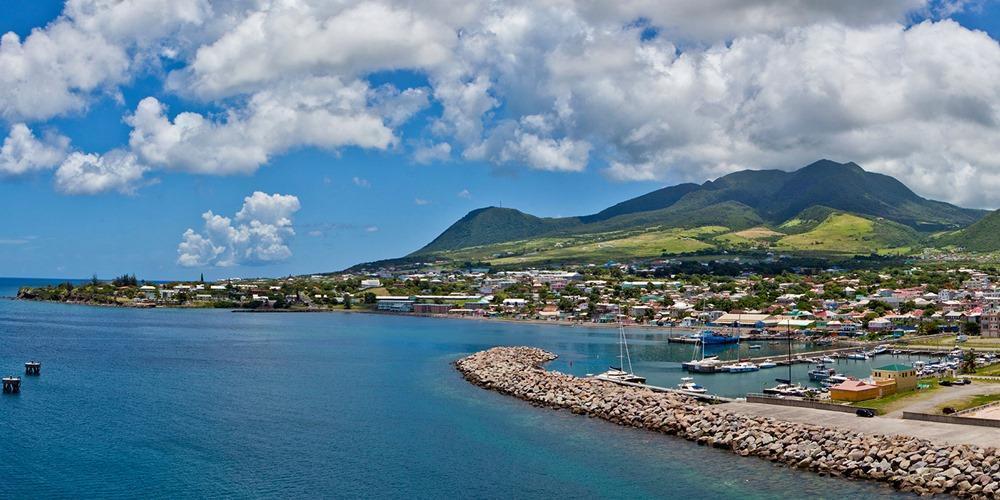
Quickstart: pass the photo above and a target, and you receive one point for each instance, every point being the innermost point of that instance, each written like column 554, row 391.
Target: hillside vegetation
column 825, row 207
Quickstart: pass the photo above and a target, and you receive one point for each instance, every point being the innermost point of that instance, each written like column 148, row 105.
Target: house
column 905, row 376
column 860, row 390
column 371, row 283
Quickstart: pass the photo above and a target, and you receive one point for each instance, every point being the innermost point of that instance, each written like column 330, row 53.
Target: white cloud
column 87, row 173
column 465, row 194
column 421, row 201
column 257, row 234
column 358, row 181
column 55, row 70
column 426, row 154
column 320, row 112
column 22, row 152
column 371, row 229
column 302, row 39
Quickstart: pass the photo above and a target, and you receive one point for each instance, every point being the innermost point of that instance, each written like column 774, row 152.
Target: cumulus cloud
column 257, row 234
column 650, row 90
column 88, row 173
column 22, row 152
column 464, row 194
column 320, row 112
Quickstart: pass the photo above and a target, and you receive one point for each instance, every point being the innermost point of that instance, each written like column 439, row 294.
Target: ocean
column 161, row 403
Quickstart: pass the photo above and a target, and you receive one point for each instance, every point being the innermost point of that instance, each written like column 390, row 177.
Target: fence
column 800, row 403
column 951, row 419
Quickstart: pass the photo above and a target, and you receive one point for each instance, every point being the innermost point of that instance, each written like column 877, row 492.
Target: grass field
column 952, row 341
column 900, row 399
column 966, row 403
column 647, row 244
column 748, row 236
column 849, row 234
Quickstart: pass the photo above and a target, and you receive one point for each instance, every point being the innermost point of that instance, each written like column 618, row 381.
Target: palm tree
column 968, row 364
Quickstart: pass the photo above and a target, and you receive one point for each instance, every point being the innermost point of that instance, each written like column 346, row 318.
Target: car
column 865, row 412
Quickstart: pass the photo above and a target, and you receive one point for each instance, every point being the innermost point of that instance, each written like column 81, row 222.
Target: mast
column 788, row 336
column 621, row 345
column 625, row 345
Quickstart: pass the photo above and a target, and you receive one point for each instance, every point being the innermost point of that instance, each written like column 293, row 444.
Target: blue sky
column 534, row 122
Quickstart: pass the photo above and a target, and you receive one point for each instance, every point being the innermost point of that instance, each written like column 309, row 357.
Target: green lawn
column 974, row 401
column 890, row 403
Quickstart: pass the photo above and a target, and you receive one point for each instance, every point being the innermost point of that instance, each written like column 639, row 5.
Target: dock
column 708, row 398
column 33, row 368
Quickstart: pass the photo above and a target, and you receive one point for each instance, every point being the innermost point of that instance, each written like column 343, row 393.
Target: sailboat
column 703, row 365
column 618, row 373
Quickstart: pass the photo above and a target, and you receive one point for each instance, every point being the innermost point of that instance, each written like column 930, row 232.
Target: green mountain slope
column 494, row 225
column 883, row 213
column 982, row 236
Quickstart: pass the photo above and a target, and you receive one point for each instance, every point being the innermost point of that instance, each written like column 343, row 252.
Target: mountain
column 494, row 225
column 982, row 236
column 823, row 207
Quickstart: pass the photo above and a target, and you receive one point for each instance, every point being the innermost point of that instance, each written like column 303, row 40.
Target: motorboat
column 863, row 356
column 754, row 346
column 827, row 359
column 688, row 385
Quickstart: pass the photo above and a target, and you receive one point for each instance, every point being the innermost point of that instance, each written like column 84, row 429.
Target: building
column 856, row 390
column 432, row 308
column 394, row 304
column 990, row 323
column 904, row 375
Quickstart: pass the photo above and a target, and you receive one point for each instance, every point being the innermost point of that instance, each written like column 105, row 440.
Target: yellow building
column 855, row 390
column 905, row 376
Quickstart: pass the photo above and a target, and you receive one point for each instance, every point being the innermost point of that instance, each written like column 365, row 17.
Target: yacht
column 703, row 365
column 618, row 373
column 821, row 372
column 740, row 367
column 863, row 356
column 754, row 346
column 794, row 390
column 827, row 359
column 687, row 385
column 712, row 337
column 879, row 350
column 767, row 364
column 833, row 380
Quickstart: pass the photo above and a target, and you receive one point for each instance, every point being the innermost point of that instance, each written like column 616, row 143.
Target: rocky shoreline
column 907, row 463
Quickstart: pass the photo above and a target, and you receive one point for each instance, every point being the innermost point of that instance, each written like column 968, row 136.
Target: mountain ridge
column 736, row 201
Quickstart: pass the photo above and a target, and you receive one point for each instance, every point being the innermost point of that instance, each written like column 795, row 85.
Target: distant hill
column 982, row 236
column 825, row 207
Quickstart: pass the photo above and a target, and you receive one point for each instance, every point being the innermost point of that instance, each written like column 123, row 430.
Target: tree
column 971, row 328
column 202, row 279
column 929, row 328
column 968, row 364
column 370, row 298
column 347, row 301
column 94, row 281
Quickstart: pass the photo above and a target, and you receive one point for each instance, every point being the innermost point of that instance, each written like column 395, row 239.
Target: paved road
column 942, row 433
column 929, row 403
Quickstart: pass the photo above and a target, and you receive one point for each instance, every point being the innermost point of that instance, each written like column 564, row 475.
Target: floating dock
column 33, row 368
column 11, row 385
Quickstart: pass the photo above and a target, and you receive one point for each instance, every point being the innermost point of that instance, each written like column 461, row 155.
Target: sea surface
column 165, row 403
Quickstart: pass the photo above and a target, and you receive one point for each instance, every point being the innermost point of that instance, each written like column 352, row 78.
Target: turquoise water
column 192, row 403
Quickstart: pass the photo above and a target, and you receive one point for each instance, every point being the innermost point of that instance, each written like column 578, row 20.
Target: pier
column 33, row 368
column 708, row 398
column 11, row 385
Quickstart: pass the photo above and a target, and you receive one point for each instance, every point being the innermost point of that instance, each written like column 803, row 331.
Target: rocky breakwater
column 908, row 463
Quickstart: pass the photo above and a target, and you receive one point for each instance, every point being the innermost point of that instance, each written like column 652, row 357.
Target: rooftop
column 895, row 368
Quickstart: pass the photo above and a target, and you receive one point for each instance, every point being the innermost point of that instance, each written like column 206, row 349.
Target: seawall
column 907, row 463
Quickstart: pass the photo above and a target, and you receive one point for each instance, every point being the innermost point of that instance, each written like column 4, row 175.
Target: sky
column 171, row 138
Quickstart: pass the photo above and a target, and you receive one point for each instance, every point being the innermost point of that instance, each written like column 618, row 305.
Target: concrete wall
column 800, row 403
column 951, row 419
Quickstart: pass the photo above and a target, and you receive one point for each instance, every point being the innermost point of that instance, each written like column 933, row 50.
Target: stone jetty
column 907, row 463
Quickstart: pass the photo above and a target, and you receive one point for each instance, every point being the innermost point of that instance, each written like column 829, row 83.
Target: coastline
column 907, row 463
